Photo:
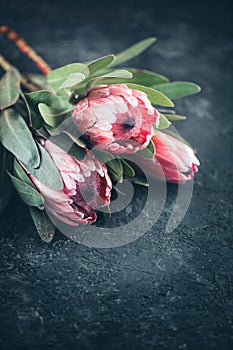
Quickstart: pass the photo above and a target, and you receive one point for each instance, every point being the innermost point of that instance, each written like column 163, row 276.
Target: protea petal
column 116, row 118
column 86, row 187
column 177, row 160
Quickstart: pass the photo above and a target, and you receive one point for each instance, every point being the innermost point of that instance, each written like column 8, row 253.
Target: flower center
column 128, row 124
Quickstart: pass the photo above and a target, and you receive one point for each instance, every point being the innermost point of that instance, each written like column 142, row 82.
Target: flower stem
column 4, row 63
column 7, row 66
column 25, row 49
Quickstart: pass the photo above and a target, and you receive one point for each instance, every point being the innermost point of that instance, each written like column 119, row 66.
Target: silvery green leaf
column 54, row 116
column 148, row 152
column 63, row 93
column 9, row 88
column 110, row 77
column 56, row 77
column 33, row 99
column 175, row 117
column 47, row 173
column 115, row 169
column 140, row 180
column 127, row 169
column 72, row 80
column 17, row 138
column 21, row 108
column 163, row 122
column 44, row 226
column 146, row 77
column 27, row 109
column 100, row 63
column 41, row 96
column 155, row 97
column 27, row 193
column 20, row 173
column 37, row 79
column 76, row 140
column 178, row 89
column 53, row 107
column 45, row 131
column 133, row 51
column 66, row 143
column 120, row 73
column 77, row 152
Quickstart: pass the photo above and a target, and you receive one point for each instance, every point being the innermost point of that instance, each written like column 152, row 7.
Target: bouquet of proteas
column 64, row 134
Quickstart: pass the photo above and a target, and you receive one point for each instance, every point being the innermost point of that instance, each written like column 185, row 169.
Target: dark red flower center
column 128, row 124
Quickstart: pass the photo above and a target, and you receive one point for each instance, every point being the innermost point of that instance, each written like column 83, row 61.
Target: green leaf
column 57, row 76
column 175, row 117
column 110, row 77
column 76, row 140
column 146, row 77
column 140, row 180
column 37, row 79
column 66, row 143
column 114, row 176
column 148, row 152
column 115, row 169
column 178, row 89
column 163, row 122
column 20, row 107
column 27, row 111
column 44, row 132
column 63, row 93
column 103, row 155
column 60, row 101
column 100, row 63
column 53, row 116
column 77, row 152
column 17, row 138
column 72, row 80
column 27, row 193
column 44, row 226
column 20, row 174
column 36, row 97
column 33, row 99
column 133, row 51
column 47, row 172
column 127, row 169
column 9, row 88
column 54, row 107
column 153, row 95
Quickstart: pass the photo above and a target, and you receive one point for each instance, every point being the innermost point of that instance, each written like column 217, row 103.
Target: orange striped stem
column 25, row 49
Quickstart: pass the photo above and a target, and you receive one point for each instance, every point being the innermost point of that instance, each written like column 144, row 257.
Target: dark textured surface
column 162, row 291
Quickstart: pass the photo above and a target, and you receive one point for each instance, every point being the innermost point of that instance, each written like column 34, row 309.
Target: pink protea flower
column 87, row 187
column 173, row 157
column 116, row 118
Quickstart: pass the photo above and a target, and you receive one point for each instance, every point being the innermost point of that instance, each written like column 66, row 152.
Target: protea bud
column 176, row 160
column 116, row 118
column 87, row 187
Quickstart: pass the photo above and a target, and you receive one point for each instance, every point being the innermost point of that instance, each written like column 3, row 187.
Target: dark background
column 164, row 291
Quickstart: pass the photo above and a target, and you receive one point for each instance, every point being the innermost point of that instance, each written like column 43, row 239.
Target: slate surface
column 162, row 291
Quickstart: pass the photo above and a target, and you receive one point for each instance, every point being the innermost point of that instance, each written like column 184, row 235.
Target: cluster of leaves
column 26, row 115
